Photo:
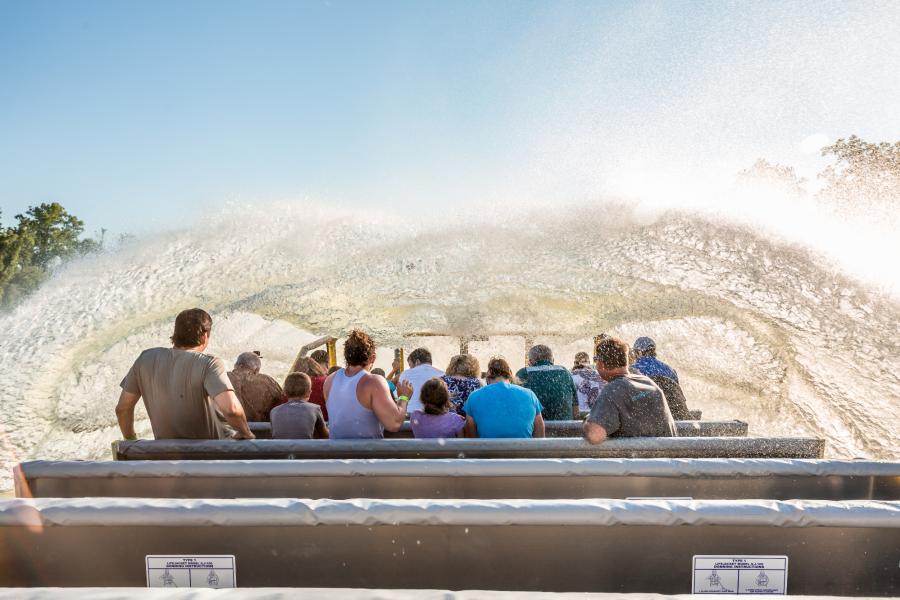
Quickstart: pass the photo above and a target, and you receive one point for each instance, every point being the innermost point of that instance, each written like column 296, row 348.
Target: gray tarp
column 100, row 512
column 472, row 467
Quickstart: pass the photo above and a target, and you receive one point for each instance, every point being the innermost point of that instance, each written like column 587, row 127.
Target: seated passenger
column 588, row 382
column 420, row 371
column 674, row 397
column 298, row 419
column 629, row 405
column 258, row 393
column 647, row 363
column 186, row 392
column 501, row 409
column 437, row 420
column 551, row 383
column 391, row 385
column 462, row 379
column 316, row 373
column 359, row 403
column 321, row 357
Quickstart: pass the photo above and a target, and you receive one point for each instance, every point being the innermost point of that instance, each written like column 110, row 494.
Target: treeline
column 42, row 238
column 861, row 172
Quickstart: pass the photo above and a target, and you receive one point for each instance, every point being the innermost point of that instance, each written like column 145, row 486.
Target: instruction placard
column 740, row 575
column 191, row 571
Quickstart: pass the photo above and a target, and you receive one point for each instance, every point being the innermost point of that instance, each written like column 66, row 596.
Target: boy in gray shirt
column 298, row 419
column 629, row 405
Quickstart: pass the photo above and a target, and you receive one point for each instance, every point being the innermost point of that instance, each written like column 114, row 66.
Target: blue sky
column 139, row 115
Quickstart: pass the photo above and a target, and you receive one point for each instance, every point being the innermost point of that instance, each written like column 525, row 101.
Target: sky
column 141, row 116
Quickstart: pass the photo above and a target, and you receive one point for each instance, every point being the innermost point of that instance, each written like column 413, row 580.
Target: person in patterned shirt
column 462, row 379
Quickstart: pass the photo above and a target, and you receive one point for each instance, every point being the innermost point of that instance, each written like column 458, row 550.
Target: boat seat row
column 674, row 447
column 779, row 479
column 836, row 548
column 263, row 430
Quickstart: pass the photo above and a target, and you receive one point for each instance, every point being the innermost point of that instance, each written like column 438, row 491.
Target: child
column 298, row 419
column 437, row 420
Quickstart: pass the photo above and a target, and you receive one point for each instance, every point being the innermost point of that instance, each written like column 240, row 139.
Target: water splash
column 760, row 330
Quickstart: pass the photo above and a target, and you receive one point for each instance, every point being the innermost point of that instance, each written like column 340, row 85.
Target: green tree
column 44, row 235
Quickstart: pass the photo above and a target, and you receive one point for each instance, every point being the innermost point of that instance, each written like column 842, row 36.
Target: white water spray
column 758, row 329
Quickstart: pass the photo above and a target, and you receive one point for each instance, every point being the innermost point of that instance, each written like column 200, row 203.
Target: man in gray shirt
column 186, row 392
column 299, row 419
column 629, row 405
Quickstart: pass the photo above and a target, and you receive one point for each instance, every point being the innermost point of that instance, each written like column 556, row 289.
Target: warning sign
column 740, row 575
column 191, row 571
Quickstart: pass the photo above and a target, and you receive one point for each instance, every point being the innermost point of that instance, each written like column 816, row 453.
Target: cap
column 642, row 344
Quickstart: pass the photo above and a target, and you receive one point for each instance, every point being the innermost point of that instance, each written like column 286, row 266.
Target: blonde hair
column 464, row 365
column 308, row 365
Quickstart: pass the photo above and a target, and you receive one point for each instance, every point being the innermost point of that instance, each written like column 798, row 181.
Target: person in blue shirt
column 647, row 363
column 502, row 409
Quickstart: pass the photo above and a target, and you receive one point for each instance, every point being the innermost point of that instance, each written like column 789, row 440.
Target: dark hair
column 435, row 397
column 498, row 368
column 613, row 352
column 190, row 325
column 358, row 349
column 333, row 369
column 320, row 356
column 420, row 355
column 310, row 366
column 297, row 385
column 379, row 372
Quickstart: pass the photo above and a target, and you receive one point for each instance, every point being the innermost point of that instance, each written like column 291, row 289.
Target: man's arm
column 390, row 414
column 539, row 430
column 125, row 414
column 321, row 432
column 594, row 433
column 228, row 404
column 574, row 391
column 471, row 429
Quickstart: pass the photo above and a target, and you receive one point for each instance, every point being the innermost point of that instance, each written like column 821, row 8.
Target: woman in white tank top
column 359, row 404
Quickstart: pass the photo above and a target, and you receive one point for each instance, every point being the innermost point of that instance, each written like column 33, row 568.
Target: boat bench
column 263, row 430
column 833, row 548
column 674, row 447
column 778, row 479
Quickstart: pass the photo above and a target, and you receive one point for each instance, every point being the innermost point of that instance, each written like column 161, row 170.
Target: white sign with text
column 740, row 575
column 191, row 571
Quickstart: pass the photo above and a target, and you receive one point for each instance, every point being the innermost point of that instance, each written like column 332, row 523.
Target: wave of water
column 759, row 330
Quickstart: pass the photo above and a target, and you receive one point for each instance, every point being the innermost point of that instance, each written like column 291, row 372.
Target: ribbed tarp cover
column 472, row 467
column 368, row 512
column 320, row 594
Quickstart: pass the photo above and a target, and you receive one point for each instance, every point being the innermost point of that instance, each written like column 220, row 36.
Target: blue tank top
column 347, row 418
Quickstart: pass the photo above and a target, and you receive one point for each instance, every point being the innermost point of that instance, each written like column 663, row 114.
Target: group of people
column 189, row 394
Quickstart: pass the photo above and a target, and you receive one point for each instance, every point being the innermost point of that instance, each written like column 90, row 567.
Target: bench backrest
column 714, row 447
column 778, row 479
column 646, row 546
column 263, row 430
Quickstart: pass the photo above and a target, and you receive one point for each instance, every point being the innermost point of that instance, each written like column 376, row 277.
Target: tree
column 44, row 235
column 863, row 171
column 780, row 176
